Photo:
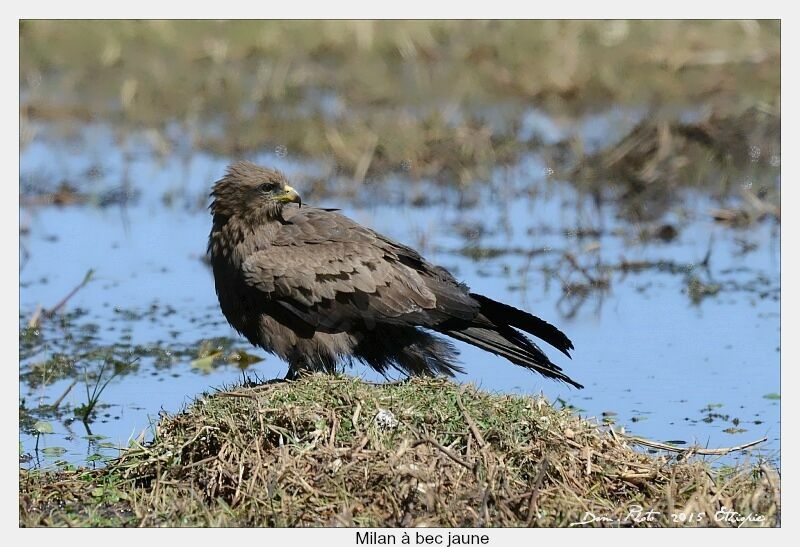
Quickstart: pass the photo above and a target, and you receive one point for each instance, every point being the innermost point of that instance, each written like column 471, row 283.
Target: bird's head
column 249, row 191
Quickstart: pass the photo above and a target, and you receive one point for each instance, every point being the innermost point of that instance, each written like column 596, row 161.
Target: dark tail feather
column 494, row 330
column 503, row 314
column 514, row 347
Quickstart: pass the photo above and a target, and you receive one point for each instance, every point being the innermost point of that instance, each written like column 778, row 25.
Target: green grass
column 311, row 453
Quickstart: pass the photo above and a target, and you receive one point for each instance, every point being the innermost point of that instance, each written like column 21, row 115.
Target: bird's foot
column 291, row 375
column 296, row 373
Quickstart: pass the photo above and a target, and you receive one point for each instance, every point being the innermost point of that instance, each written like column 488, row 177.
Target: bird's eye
column 265, row 188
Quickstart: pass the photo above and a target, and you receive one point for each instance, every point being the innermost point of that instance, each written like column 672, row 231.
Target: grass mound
column 336, row 451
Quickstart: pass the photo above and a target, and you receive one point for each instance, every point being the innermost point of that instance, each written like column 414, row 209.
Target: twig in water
column 52, row 311
column 574, row 263
column 693, row 449
column 36, row 317
column 58, row 401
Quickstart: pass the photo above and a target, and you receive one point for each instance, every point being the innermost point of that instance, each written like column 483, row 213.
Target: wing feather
column 330, row 271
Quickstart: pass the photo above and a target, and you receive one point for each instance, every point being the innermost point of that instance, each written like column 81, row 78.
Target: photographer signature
column 637, row 515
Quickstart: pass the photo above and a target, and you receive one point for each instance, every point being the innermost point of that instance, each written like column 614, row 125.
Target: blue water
column 644, row 351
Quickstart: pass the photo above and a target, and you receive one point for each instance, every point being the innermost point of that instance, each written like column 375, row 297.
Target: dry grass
column 316, row 453
column 732, row 153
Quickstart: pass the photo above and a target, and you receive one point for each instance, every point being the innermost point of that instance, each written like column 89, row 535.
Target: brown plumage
column 319, row 290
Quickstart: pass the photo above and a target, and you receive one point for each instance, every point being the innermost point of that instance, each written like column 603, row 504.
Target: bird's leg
column 296, row 371
column 291, row 374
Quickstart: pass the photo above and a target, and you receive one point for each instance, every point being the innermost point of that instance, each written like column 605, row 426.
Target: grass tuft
column 337, row 451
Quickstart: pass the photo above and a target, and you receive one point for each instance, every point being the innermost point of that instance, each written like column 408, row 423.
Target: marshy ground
column 620, row 179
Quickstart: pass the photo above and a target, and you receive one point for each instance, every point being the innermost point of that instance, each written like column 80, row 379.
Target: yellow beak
column 289, row 195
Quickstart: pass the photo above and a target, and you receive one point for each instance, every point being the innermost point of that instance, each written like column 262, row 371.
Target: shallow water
column 664, row 366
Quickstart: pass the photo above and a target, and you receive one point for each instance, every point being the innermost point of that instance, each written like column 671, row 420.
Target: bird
column 322, row 292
